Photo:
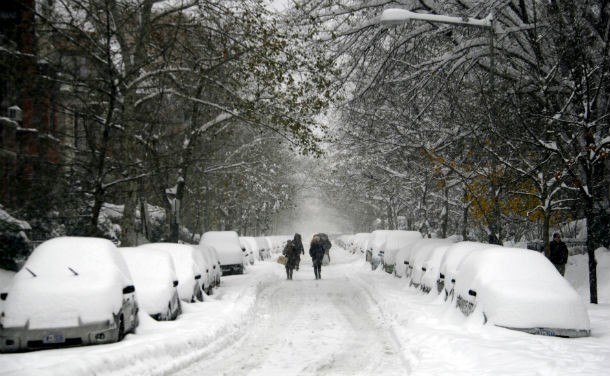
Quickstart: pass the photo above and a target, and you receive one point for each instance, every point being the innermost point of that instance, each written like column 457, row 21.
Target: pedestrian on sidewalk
column 316, row 251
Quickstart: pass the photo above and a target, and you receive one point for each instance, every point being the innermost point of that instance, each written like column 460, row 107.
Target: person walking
column 559, row 253
column 316, row 251
column 298, row 245
column 291, row 255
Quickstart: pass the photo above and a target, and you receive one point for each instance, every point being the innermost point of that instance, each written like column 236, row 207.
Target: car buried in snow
column 188, row 269
column 71, row 291
column 212, row 264
column 450, row 263
column 394, row 241
column 156, row 282
column 375, row 247
column 229, row 250
column 521, row 290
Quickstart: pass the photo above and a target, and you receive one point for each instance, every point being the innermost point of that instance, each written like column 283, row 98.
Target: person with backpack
column 316, row 251
column 292, row 255
column 559, row 253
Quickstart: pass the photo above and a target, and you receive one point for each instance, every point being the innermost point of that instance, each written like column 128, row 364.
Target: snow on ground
column 354, row 321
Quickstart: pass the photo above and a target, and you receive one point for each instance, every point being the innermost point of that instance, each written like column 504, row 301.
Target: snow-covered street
column 312, row 327
column 352, row 322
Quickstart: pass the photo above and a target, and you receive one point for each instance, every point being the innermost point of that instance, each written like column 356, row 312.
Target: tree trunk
column 128, row 222
column 445, row 220
column 98, row 201
column 591, row 245
column 389, row 215
column 174, row 223
column 546, row 225
column 465, row 218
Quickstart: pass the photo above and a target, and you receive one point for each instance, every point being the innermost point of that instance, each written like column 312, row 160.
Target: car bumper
column 23, row 339
column 232, row 269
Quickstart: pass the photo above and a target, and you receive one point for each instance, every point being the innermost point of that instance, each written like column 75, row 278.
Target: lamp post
column 395, row 16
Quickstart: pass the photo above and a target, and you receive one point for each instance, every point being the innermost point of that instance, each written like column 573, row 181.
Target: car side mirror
column 3, row 295
column 406, row 262
column 472, row 293
column 423, row 268
column 198, row 276
column 175, row 283
column 129, row 289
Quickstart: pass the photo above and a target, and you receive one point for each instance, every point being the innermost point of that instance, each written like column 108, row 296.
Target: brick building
column 29, row 142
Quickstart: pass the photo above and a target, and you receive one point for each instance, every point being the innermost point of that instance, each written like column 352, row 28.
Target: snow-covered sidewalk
column 398, row 329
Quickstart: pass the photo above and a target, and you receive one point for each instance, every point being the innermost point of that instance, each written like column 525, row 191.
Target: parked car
column 213, row 261
column 394, row 241
column 264, row 251
column 451, row 262
column 420, row 256
column 248, row 248
column 188, row 269
column 375, row 246
column 71, row 291
column 430, row 270
column 229, row 251
column 403, row 256
column 156, row 282
column 520, row 289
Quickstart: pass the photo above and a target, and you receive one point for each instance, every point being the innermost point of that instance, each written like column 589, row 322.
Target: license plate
column 53, row 338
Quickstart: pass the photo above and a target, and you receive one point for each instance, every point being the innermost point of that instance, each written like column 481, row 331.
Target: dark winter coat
column 559, row 252
column 298, row 245
column 316, row 250
column 291, row 254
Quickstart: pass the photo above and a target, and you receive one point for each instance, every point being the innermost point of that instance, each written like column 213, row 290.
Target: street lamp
column 396, row 16
column 393, row 16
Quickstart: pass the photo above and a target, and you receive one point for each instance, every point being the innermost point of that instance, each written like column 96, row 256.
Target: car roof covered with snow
column 226, row 244
column 520, row 289
column 153, row 273
column 65, row 281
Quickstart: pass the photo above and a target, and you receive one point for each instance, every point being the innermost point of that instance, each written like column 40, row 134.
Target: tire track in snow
column 310, row 327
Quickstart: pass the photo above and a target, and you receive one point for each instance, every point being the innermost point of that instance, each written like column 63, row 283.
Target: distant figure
column 317, row 250
column 291, row 255
column 559, row 253
column 298, row 245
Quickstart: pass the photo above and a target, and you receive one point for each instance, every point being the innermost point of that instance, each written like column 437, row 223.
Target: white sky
column 360, row 322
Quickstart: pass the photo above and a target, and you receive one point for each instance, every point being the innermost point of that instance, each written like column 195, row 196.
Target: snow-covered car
column 394, row 241
column 71, row 291
column 248, row 248
column 264, row 252
column 156, row 282
column 451, row 261
column 420, row 256
column 402, row 257
column 375, row 246
column 430, row 270
column 213, row 264
column 229, row 251
column 188, row 270
column 520, row 289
